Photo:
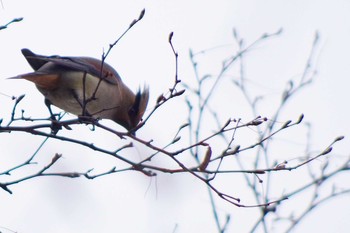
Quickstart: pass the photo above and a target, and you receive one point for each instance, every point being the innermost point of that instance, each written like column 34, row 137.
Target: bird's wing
column 33, row 59
column 84, row 64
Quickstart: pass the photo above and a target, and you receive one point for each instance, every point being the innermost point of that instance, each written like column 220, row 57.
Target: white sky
column 131, row 202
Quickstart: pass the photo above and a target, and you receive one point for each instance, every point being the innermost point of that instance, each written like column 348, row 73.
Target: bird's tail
column 45, row 81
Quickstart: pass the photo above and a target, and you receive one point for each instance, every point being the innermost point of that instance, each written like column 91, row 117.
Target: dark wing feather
column 84, row 64
column 32, row 59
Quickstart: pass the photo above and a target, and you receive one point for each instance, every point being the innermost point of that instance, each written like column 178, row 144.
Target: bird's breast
column 82, row 93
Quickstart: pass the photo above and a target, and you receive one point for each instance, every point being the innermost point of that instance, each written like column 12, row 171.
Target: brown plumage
column 78, row 85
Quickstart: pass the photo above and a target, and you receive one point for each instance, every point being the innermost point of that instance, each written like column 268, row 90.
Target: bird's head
column 136, row 110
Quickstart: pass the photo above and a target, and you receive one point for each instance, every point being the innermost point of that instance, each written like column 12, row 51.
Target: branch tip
column 286, row 124
column 171, row 36
column 300, row 119
column 339, row 138
column 327, row 151
column 142, row 14
column 17, row 19
column 176, row 139
column 19, row 98
column 55, row 158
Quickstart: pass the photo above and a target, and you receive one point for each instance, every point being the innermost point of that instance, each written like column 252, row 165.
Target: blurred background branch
column 210, row 147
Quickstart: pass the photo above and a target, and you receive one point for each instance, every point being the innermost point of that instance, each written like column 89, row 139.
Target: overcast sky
column 131, row 202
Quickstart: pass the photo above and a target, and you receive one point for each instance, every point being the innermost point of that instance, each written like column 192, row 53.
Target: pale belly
column 84, row 97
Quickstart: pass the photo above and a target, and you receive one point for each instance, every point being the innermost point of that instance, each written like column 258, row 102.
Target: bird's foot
column 55, row 126
column 87, row 119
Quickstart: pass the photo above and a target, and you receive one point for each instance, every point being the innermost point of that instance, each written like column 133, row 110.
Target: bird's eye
column 132, row 112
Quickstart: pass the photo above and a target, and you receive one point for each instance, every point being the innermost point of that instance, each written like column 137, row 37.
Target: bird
column 85, row 86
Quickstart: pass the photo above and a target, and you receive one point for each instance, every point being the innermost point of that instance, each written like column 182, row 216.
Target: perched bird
column 85, row 86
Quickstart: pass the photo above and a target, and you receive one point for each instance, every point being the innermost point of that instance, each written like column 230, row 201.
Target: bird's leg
column 55, row 126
